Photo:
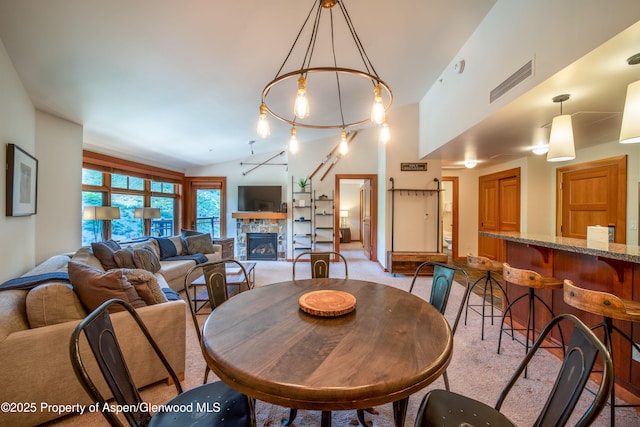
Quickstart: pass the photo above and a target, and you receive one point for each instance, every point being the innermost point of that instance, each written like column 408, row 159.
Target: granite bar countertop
column 617, row 251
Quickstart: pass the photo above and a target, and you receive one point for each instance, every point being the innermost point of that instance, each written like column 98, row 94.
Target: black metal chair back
column 441, row 284
column 320, row 263
column 451, row 409
column 100, row 335
column 215, row 278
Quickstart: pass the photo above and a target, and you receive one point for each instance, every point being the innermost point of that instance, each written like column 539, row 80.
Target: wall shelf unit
column 324, row 221
column 301, row 218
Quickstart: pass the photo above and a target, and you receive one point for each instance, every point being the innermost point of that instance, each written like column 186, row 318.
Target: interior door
column 489, row 217
column 499, row 209
column 594, row 194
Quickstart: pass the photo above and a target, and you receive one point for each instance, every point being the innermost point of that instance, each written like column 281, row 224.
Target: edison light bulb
column 301, row 107
column 264, row 130
column 293, row 142
column 385, row 134
column 344, row 147
column 377, row 111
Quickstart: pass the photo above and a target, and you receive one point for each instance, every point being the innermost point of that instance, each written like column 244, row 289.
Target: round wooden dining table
column 390, row 346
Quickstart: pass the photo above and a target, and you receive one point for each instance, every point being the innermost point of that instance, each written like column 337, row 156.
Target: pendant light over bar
column 347, row 82
column 630, row 129
column 561, row 145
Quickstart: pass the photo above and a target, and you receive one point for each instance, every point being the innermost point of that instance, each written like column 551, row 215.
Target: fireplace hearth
column 262, row 246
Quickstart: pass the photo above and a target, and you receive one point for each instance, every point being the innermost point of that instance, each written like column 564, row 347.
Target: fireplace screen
column 262, row 246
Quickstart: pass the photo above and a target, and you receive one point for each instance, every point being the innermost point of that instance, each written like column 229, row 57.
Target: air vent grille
column 512, row 81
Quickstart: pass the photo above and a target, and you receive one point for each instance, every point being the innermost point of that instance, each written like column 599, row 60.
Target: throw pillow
column 94, row 287
column 200, row 244
column 53, row 303
column 186, row 233
column 167, row 248
column 141, row 280
column 177, row 241
column 146, row 259
column 124, row 258
column 85, row 256
column 104, row 251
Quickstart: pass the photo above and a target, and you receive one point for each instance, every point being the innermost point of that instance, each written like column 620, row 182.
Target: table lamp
column 344, row 218
column 146, row 214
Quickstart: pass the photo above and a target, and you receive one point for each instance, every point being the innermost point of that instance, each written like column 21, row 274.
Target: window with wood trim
column 109, row 181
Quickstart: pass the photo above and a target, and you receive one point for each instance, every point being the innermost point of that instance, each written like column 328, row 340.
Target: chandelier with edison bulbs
column 347, row 84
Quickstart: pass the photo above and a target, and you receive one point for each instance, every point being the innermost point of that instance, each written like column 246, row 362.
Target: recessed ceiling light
column 540, row 149
column 470, row 163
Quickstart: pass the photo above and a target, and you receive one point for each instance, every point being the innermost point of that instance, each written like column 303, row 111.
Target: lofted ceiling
column 178, row 83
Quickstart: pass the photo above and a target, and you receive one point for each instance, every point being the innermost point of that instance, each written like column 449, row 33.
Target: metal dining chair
column 320, row 263
column 446, row 408
column 215, row 277
column 236, row 410
column 441, row 283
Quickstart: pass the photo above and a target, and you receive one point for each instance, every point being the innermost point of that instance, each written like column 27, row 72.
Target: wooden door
column 499, row 209
column 593, row 194
column 489, row 208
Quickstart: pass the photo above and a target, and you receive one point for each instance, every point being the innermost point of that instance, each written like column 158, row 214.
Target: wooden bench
column 399, row 262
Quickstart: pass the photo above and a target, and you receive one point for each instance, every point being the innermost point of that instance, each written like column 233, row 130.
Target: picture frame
column 21, row 182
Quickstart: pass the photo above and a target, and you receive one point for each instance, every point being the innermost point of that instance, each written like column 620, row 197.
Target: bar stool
column 609, row 307
column 532, row 281
column 488, row 266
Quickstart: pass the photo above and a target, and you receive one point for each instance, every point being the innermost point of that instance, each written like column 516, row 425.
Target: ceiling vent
column 512, row 81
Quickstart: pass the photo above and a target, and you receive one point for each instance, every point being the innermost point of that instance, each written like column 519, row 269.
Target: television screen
column 266, row 198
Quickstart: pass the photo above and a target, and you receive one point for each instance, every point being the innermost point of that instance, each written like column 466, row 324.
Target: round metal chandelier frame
column 375, row 79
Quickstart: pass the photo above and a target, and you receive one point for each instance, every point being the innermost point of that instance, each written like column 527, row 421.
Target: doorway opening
column 449, row 217
column 357, row 208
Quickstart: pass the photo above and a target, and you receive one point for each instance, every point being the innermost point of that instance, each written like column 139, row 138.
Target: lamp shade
column 630, row 130
column 146, row 213
column 89, row 213
column 114, row 212
column 561, row 146
column 344, row 214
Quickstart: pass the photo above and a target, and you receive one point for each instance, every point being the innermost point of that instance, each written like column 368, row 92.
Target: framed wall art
column 22, row 179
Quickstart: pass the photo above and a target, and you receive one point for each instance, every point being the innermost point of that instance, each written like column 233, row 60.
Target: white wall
column 555, row 32
column 415, row 216
column 362, row 159
column 57, row 144
column 59, row 149
column 233, row 171
column 17, row 126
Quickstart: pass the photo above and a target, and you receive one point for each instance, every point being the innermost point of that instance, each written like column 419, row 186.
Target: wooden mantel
column 259, row 215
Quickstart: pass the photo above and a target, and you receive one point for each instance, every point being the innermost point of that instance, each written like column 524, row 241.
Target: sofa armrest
column 37, row 364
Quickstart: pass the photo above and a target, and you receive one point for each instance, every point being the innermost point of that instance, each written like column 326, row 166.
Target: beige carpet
column 475, row 370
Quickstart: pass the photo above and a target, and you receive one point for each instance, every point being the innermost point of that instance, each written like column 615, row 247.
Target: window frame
column 109, row 165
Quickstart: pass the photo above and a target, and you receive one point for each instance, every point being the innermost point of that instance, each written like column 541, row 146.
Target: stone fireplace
column 262, row 246
column 261, row 236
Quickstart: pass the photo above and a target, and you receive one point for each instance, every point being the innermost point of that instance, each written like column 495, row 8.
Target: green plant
column 303, row 183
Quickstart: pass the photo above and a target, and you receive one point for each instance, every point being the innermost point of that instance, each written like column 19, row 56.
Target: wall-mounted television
column 255, row 198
